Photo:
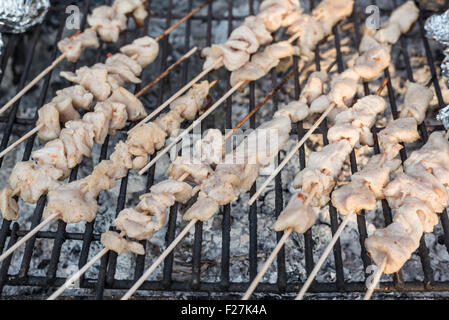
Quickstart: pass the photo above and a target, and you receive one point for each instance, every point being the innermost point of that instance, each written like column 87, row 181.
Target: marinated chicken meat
column 203, row 209
column 30, row 181
column 189, row 105
column 356, row 122
column 371, row 63
column 74, row 46
column 218, row 190
column 416, row 101
column 115, row 112
column 146, row 139
column 344, row 88
column 134, row 107
column 93, row 80
column 294, row 110
column 144, row 50
column 329, row 12
column 296, row 215
column 397, row 131
column 197, row 170
column 8, row 205
column 113, row 241
column 78, row 139
column 72, row 202
column 54, row 154
column 273, row 13
column 134, row 7
column 210, row 148
column 315, row 87
column 135, row 224
column 262, row 62
column 311, row 33
column 48, row 117
column 107, row 22
column 81, row 98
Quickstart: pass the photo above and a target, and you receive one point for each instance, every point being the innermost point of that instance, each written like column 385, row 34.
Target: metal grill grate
column 107, row 275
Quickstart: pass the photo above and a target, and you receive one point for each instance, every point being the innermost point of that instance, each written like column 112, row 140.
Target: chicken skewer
column 42, row 124
column 137, row 146
column 287, row 220
column 213, row 107
column 418, row 195
column 374, row 58
column 77, row 45
column 377, row 167
column 167, row 251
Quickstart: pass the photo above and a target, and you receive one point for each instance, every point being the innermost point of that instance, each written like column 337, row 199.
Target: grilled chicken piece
column 256, row 25
column 146, row 139
column 368, row 43
column 331, row 158
column 295, row 110
column 422, row 185
column 273, row 13
column 65, row 109
column 32, row 180
column 262, row 62
column 356, row 122
column 353, row 197
column 48, row 115
column 397, row 241
column 344, row 88
column 115, row 113
column 101, row 178
column 144, row 50
column 376, row 174
column 155, row 204
column 81, row 98
column 240, row 176
column 118, row 74
column 108, row 23
column 78, row 139
column 433, row 157
column 169, row 122
column 190, row 103
column 134, row 107
column 100, row 125
column 311, row 33
column 121, row 161
column 135, row 224
column 210, row 148
column 296, row 215
column 222, row 192
column 8, row 205
column 93, row 80
column 313, row 179
column 416, row 101
column 74, row 46
column 389, row 33
column 320, row 104
column 203, row 209
column 373, row 62
column 315, row 87
column 72, row 202
column 111, row 240
column 180, row 190
column 329, row 12
column 197, row 171
column 405, row 16
column 120, row 59
column 397, row 131
column 53, row 153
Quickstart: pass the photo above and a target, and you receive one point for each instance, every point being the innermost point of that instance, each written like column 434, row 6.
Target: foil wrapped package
column 443, row 116
column 17, row 16
column 437, row 27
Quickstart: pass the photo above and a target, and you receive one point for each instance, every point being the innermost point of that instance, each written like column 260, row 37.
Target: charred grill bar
column 106, row 279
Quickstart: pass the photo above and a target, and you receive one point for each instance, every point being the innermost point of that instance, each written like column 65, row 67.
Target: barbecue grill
column 107, row 278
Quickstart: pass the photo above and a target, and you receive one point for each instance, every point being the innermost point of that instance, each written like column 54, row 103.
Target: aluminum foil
column 443, row 116
column 17, row 16
column 437, row 27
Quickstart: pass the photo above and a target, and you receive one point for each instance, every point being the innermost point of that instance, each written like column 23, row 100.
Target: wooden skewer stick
column 176, row 95
column 299, row 144
column 28, row 236
column 273, row 255
column 323, row 258
column 78, row 274
column 376, row 279
column 63, row 55
column 141, row 92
